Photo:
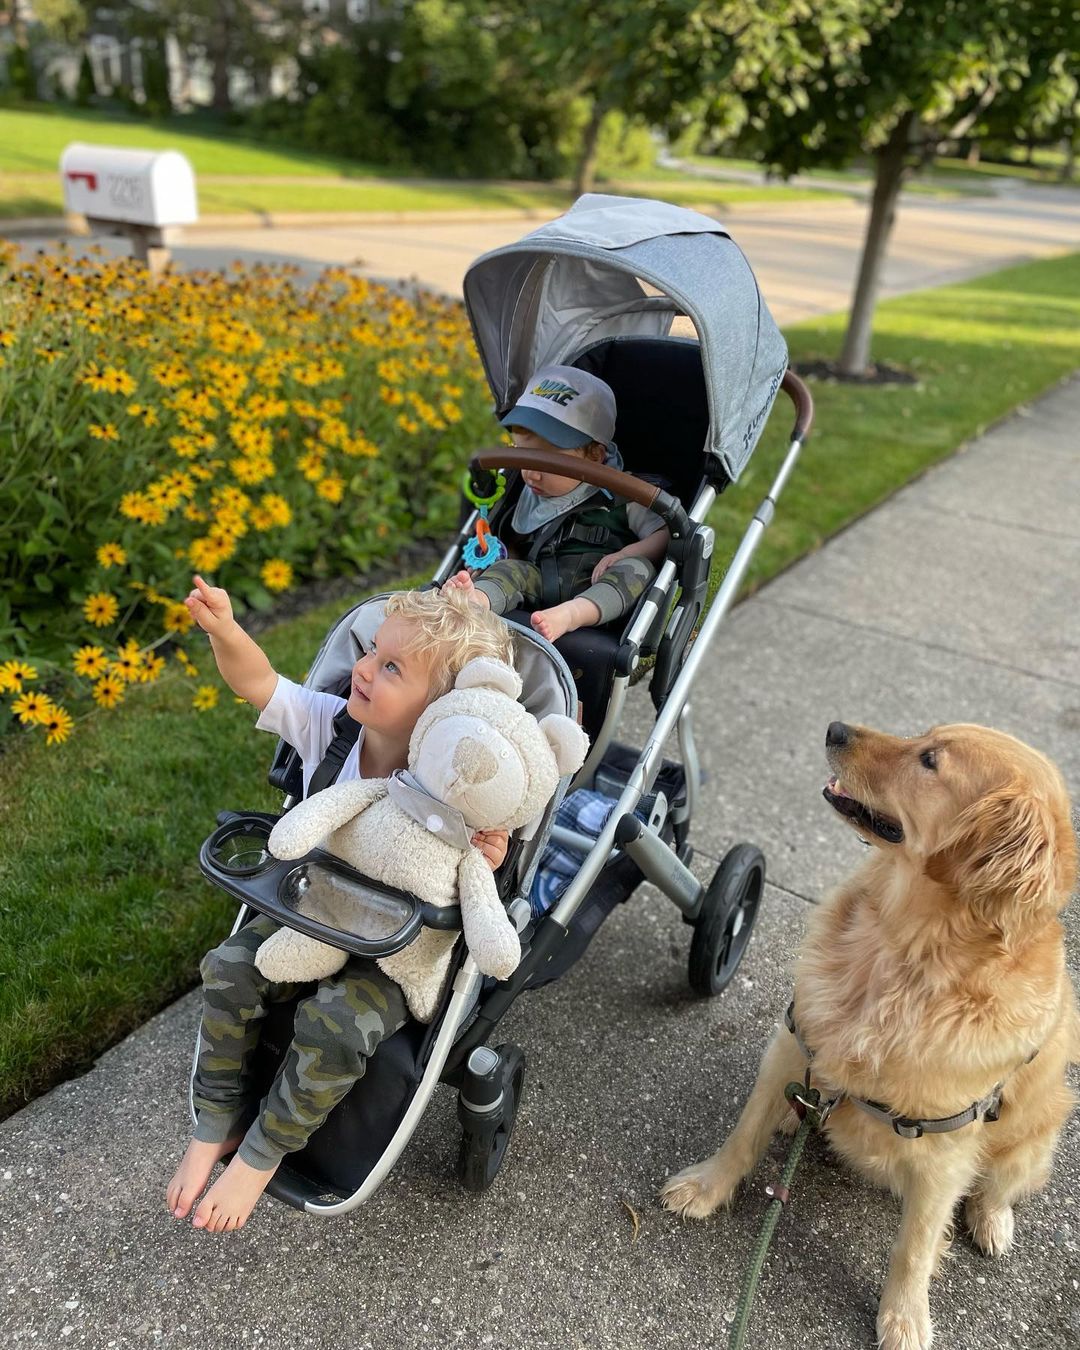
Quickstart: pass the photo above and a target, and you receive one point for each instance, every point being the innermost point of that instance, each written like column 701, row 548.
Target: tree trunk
column 973, row 154
column 590, row 144
column 855, row 355
column 1069, row 165
column 221, row 56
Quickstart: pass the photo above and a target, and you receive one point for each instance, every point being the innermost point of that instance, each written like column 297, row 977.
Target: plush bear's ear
column 484, row 673
column 567, row 740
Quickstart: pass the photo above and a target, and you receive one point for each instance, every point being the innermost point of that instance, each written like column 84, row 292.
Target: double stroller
column 599, row 289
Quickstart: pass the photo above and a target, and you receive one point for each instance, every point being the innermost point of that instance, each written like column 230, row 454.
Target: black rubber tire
column 483, row 1151
column 723, row 927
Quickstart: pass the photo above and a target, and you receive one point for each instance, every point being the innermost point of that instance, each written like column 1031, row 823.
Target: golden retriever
column 936, row 973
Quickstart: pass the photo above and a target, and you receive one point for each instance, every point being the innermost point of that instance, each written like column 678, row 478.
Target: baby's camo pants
column 335, row 1031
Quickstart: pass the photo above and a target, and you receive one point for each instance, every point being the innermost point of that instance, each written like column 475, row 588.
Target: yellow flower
column 100, row 609
column 127, row 666
column 206, row 697
column 104, row 433
column 14, row 673
column 109, row 691
column 7, row 338
column 57, row 723
column 111, row 555
column 331, row 488
column 278, row 509
column 90, row 661
column 152, row 669
column 32, row 707
column 276, row 574
column 177, row 618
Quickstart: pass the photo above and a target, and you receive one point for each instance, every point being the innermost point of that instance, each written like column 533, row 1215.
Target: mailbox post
column 140, row 194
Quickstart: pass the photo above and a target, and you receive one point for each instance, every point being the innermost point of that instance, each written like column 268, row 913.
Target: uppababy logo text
column 555, row 390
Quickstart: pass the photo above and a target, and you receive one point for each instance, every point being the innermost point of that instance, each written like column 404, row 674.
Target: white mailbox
column 132, row 187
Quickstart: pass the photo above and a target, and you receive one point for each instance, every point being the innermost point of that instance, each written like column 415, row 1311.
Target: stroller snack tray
column 317, row 894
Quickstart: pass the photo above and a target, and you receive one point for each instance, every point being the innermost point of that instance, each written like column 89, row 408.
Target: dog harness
column 986, row 1108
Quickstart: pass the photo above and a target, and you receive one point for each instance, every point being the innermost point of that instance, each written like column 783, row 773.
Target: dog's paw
column 696, row 1191
column 991, row 1229
column 905, row 1326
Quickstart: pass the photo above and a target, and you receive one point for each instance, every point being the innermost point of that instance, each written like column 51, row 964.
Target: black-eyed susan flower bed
column 238, row 424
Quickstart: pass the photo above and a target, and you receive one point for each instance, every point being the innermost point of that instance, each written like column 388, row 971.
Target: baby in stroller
column 589, row 558
column 423, row 642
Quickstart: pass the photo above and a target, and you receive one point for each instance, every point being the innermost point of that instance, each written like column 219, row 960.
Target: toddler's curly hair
column 453, row 629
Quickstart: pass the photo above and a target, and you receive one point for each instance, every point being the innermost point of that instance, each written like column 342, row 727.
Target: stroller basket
column 311, row 893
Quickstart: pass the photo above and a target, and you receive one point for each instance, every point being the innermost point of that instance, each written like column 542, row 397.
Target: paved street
column 953, row 601
column 804, row 254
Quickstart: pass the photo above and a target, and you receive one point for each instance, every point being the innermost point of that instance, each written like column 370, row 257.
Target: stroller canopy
column 577, row 281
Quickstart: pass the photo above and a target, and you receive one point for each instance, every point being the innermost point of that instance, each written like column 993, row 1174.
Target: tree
column 85, row 88
column 926, row 70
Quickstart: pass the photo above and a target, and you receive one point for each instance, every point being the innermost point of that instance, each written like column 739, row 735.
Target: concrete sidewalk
column 956, row 600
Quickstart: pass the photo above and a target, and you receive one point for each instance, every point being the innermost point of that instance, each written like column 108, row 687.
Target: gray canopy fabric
column 576, row 281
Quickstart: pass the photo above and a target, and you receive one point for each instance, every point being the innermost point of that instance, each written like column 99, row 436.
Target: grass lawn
column 103, row 914
column 31, row 143
column 859, row 175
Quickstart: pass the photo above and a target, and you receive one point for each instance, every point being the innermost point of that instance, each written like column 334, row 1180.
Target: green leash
column 812, row 1113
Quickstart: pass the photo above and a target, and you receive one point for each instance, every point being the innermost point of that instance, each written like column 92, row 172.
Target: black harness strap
column 346, row 734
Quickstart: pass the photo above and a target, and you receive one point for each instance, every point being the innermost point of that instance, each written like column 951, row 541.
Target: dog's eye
column 928, row 759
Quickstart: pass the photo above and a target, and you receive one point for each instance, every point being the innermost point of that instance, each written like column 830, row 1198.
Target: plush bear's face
column 467, row 763
column 479, row 750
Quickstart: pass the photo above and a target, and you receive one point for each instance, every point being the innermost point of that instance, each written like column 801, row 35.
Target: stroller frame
column 456, row 1048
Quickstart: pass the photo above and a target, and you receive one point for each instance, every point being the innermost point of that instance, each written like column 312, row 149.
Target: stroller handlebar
column 804, row 405
column 619, row 484
column 623, row 485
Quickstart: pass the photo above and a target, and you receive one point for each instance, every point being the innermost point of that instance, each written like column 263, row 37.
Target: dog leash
column 812, row 1111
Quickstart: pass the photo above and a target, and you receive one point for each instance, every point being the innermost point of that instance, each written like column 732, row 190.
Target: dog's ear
column 1009, row 852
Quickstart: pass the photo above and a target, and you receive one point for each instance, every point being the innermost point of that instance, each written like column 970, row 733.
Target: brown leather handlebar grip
column 623, row 485
column 804, row 405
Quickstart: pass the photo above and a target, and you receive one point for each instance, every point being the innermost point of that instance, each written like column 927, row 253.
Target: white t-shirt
column 305, row 719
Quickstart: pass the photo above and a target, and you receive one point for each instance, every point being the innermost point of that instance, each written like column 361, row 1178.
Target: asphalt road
column 805, row 254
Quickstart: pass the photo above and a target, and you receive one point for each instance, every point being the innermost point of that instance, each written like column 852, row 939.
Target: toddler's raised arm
column 244, row 665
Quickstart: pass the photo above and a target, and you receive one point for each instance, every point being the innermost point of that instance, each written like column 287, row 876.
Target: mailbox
column 137, row 193
column 154, row 188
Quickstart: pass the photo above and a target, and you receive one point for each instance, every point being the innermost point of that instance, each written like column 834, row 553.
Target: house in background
column 240, row 54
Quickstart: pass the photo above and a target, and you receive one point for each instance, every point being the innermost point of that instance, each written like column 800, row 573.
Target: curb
column 59, row 226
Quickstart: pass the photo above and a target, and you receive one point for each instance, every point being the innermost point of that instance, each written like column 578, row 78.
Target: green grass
column 859, row 175
column 103, row 914
column 31, row 143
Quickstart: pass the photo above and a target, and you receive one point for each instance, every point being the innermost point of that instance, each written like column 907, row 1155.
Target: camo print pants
column 513, row 583
column 336, row 1031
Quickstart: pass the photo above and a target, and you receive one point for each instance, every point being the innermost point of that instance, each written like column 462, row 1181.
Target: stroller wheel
column 486, row 1133
column 727, row 916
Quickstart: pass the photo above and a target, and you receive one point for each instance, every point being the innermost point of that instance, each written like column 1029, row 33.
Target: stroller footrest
column 296, row 1190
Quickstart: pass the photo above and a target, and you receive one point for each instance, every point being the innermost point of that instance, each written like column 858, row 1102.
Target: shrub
column 85, row 89
column 238, row 425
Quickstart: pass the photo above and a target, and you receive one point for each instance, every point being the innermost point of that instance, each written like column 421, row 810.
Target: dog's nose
column 838, row 735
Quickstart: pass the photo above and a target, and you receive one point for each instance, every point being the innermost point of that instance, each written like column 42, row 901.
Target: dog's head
column 977, row 810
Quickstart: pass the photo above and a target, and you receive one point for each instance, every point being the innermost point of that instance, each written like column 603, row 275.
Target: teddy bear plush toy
column 477, row 760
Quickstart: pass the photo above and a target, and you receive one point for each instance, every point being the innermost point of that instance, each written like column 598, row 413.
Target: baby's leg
column 336, row 1031
column 614, row 595
column 509, row 584
column 235, row 1000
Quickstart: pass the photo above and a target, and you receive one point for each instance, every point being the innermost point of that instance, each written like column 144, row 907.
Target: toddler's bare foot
column 230, row 1200
column 190, row 1178
column 462, row 581
column 559, row 619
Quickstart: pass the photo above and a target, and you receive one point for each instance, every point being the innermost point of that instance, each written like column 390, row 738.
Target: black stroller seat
column 661, row 430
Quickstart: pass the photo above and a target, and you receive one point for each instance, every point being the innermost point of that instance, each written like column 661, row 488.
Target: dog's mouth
column 885, row 827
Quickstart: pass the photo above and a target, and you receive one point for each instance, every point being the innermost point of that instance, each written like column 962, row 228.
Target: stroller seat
column 662, row 424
